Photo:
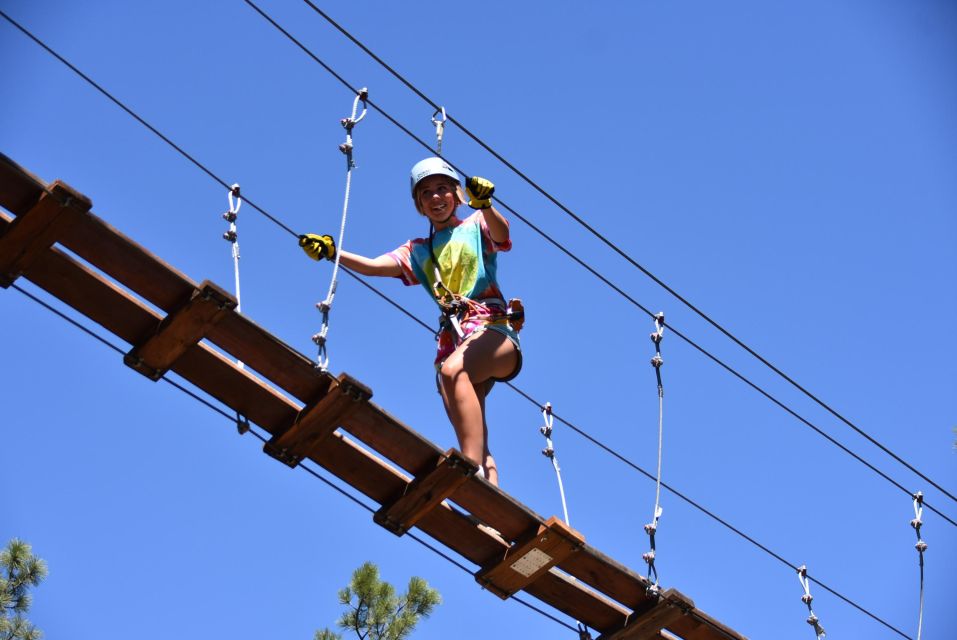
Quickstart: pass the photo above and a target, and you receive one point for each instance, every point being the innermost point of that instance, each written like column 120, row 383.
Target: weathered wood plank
column 425, row 492
column 181, row 329
column 34, row 231
column 530, row 557
column 318, row 420
column 671, row 606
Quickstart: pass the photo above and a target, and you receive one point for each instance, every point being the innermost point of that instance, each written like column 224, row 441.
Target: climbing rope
column 652, row 527
column 322, row 358
column 439, row 129
column 806, row 599
column 232, row 236
column 921, row 547
column 549, row 452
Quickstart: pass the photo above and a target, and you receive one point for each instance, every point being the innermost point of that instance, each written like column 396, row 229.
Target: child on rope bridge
column 478, row 336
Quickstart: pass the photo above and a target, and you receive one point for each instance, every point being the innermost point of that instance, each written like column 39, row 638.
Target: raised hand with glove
column 480, row 192
column 318, row 247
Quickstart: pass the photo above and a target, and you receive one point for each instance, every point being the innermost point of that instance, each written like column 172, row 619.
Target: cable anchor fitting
column 812, row 619
column 439, row 129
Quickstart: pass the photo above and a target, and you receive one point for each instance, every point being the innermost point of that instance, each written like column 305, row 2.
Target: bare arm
column 384, row 265
column 497, row 225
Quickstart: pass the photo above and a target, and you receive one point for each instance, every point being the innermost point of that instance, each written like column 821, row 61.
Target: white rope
column 921, row 547
column 439, row 129
column 652, row 527
column 549, row 452
column 232, row 236
column 326, row 305
column 806, row 599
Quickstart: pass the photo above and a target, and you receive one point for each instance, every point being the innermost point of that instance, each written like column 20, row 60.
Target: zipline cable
column 624, row 254
column 255, row 433
column 574, row 428
column 561, row 247
column 294, row 234
column 535, row 228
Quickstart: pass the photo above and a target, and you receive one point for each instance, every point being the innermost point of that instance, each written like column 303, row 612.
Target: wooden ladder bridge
column 308, row 414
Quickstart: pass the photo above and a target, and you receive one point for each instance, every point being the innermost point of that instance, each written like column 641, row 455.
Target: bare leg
column 484, row 355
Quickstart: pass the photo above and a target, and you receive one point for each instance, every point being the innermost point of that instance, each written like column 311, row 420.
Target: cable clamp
column 319, row 339
column 230, row 236
column 242, row 424
column 548, row 452
column 651, row 528
column 439, row 129
column 583, row 633
column 657, row 361
column 324, row 306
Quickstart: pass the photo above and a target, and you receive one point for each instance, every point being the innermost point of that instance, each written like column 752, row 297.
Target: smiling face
column 436, row 197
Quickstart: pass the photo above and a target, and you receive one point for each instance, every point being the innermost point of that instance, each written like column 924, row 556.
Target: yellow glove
column 480, row 192
column 318, row 247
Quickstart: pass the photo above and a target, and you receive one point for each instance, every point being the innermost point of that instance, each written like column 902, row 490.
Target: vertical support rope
column 921, row 547
column 232, row 236
column 549, row 452
column 652, row 527
column 806, row 599
column 322, row 358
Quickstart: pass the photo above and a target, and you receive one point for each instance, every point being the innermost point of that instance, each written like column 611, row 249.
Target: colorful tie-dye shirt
column 467, row 258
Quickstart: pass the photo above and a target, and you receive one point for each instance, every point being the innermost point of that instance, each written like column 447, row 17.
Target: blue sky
column 788, row 167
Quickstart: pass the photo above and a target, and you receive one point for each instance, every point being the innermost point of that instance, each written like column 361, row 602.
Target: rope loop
column 231, row 235
column 652, row 527
column 439, row 129
column 812, row 619
column 549, row 452
column 921, row 547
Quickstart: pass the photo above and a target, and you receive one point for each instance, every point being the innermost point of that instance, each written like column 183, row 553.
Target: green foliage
column 374, row 611
column 19, row 570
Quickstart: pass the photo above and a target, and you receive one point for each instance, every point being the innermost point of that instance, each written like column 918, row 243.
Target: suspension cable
column 322, row 359
column 607, row 282
column 294, row 234
column 628, row 258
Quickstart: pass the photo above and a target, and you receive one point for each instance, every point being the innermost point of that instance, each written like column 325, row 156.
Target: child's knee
column 450, row 370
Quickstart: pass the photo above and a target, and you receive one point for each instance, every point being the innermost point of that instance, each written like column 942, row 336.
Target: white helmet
column 431, row 167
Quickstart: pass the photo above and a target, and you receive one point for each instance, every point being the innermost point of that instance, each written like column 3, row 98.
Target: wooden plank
column 239, row 336
column 668, row 608
column 130, row 264
column 426, row 492
column 118, row 312
column 610, row 577
column 698, row 625
column 374, row 478
column 37, row 229
column 19, row 189
column 181, row 329
column 317, row 421
column 528, row 559
column 570, row 597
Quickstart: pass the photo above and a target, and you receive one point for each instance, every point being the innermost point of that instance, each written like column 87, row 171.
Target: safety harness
column 456, row 307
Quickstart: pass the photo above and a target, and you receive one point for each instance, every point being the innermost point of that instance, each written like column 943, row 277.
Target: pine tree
column 19, row 570
column 374, row 612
